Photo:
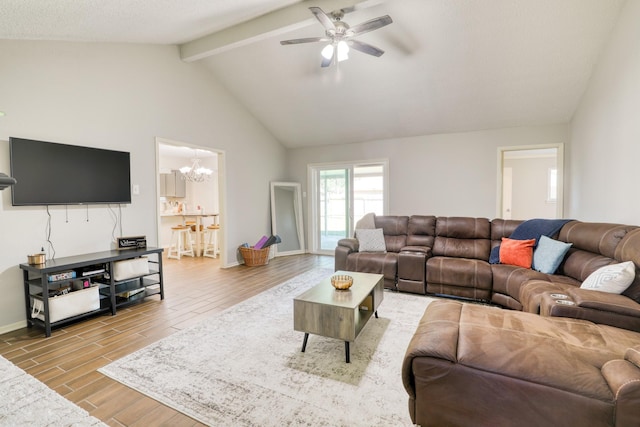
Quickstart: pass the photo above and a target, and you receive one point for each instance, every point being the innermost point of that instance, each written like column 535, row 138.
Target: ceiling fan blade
column 371, row 25
column 324, row 19
column 305, row 40
column 365, row 48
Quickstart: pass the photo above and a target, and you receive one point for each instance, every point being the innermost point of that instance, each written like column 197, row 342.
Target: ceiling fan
column 341, row 36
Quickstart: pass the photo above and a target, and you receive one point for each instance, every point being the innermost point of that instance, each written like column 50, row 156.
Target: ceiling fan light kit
column 342, row 48
column 341, row 37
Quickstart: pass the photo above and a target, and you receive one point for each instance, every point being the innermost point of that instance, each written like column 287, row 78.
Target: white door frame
column 222, row 191
column 312, row 202
column 559, row 163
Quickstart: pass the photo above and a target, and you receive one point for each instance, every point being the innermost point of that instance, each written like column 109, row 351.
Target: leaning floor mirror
column 286, row 217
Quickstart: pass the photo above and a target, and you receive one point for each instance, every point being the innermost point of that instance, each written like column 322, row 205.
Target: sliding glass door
column 333, row 207
column 340, row 196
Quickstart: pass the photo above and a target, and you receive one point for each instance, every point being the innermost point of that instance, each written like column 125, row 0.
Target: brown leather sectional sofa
column 539, row 364
column 450, row 256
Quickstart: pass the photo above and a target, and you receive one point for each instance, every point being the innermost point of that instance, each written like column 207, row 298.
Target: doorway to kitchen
column 190, row 190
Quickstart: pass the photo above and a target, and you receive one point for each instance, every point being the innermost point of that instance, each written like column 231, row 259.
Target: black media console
column 70, row 288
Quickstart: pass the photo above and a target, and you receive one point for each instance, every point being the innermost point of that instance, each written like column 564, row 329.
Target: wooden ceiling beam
column 277, row 22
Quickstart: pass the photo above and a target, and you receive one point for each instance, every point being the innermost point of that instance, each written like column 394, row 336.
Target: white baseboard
column 12, row 327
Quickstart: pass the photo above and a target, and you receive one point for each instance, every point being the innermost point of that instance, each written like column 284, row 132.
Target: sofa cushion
column 579, row 264
column 374, row 262
column 614, row 278
column 517, row 252
column 421, row 231
column 507, row 281
column 371, row 240
column 597, row 238
column 549, row 254
column 467, row 278
column 462, row 238
column 395, row 231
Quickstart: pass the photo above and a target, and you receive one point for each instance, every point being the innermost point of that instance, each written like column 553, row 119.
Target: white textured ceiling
column 449, row 66
column 131, row 21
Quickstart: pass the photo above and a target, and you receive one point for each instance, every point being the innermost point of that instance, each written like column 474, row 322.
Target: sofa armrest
column 412, row 264
column 623, row 378
column 604, row 301
column 436, row 336
column 597, row 307
column 344, row 248
column 349, row 243
column 424, row 250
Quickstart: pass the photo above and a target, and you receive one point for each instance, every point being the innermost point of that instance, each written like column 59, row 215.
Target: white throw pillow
column 371, row 240
column 614, row 278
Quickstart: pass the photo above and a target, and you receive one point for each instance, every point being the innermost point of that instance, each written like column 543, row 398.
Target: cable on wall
column 120, row 218
column 114, row 217
column 48, row 235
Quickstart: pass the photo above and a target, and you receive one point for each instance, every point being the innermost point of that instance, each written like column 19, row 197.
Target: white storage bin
column 130, row 268
column 68, row 305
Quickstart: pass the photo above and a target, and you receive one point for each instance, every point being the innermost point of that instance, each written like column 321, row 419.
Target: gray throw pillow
column 549, row 254
column 371, row 240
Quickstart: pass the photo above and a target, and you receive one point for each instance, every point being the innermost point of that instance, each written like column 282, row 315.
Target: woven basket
column 254, row 257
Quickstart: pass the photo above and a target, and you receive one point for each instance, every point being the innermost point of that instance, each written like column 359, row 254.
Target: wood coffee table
column 323, row 310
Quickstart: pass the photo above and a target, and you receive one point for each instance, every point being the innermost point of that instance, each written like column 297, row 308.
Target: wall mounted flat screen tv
column 49, row 173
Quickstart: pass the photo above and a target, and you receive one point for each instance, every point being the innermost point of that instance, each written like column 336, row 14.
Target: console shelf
column 95, row 268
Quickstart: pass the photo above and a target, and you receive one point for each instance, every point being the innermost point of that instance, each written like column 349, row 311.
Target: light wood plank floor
column 195, row 288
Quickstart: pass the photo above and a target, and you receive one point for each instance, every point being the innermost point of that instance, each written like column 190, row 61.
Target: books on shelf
column 63, row 275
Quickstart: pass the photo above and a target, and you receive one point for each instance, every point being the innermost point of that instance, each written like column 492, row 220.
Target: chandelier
column 195, row 172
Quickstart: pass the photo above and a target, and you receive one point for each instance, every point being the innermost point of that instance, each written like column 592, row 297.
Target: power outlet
column 135, row 189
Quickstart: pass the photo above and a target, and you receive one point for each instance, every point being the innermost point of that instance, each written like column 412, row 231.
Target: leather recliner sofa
column 540, row 363
column 474, row 365
column 450, row 256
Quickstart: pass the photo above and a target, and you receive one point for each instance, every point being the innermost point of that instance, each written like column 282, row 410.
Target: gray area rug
column 28, row 402
column 244, row 367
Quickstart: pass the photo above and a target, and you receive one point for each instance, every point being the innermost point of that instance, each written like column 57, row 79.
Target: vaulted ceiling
column 449, row 65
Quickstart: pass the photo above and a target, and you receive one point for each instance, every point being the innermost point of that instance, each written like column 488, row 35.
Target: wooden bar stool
column 211, row 241
column 180, row 242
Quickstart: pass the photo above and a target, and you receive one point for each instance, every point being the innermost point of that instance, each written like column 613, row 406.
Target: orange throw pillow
column 517, row 252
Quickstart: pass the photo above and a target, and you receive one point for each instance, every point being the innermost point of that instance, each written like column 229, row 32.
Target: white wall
column 444, row 175
column 605, row 131
column 121, row 96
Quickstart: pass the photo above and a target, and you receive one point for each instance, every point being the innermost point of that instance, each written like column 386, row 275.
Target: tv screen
column 49, row 173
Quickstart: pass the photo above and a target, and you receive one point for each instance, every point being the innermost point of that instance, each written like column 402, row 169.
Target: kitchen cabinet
column 173, row 184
